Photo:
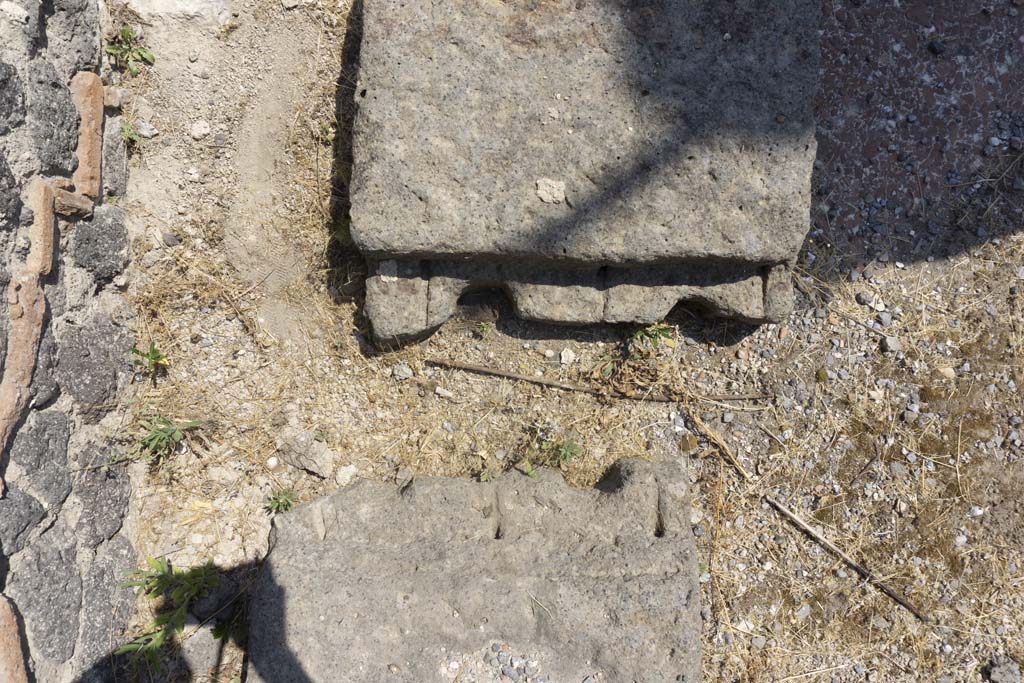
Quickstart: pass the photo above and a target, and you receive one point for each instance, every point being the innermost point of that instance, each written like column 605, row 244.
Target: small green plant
column 281, row 500
column 655, row 335
column 567, row 450
column 161, row 435
column 128, row 51
column 527, row 468
column 154, row 361
column 129, row 134
column 177, row 589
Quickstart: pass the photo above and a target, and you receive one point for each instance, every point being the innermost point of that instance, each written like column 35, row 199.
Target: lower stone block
column 408, row 299
column 517, row 579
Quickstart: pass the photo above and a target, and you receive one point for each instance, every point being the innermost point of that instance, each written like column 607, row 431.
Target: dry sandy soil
column 908, row 458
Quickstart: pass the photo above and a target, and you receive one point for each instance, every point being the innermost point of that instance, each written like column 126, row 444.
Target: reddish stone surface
column 27, row 311
column 72, row 204
column 87, row 94
column 12, row 664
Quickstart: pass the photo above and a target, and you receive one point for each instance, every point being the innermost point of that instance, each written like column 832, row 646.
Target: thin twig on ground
column 715, row 438
column 566, row 386
column 868, row 575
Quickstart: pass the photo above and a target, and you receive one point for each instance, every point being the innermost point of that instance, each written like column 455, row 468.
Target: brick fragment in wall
column 87, row 94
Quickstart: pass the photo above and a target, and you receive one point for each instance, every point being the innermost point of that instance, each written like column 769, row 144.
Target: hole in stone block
column 484, row 305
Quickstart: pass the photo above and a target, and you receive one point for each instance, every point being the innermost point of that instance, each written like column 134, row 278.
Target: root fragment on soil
column 566, row 386
column 790, row 516
column 866, row 573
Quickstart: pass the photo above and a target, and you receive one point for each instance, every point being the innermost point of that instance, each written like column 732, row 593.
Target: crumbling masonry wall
column 64, row 347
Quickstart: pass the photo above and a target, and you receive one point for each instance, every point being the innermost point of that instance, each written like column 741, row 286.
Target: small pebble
column 402, row 372
column 891, row 345
column 200, row 129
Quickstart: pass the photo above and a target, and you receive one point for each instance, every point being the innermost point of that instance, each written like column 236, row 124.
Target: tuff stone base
column 429, row 582
column 408, row 299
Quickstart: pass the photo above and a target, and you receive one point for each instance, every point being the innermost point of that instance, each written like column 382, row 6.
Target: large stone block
column 606, row 133
column 91, row 357
column 379, row 583
column 41, row 448
column 12, row 99
column 10, row 201
column 52, row 118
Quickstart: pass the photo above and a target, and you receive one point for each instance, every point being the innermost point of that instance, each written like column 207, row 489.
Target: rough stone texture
column 101, row 245
column 115, row 158
column 52, row 117
column 210, row 10
column 674, row 142
column 89, row 358
column 73, row 34
column 405, row 299
column 1004, row 670
column 397, row 300
column 44, row 388
column 45, row 584
column 201, row 653
column 41, row 448
column 71, row 204
column 10, row 203
column 29, row 14
column 599, row 581
column 62, row 555
column 19, row 513
column 26, row 310
column 300, row 448
column 12, row 99
column 611, row 159
column 103, row 496
column 100, row 633
column 87, row 94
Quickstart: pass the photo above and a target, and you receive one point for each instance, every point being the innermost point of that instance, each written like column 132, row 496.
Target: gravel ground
column 893, row 422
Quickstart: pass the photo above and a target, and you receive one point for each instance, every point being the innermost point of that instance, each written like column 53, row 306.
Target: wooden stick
column 868, row 575
column 716, row 438
column 867, row 327
column 565, row 386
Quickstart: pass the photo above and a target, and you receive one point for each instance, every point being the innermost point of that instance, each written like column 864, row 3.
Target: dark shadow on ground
column 227, row 607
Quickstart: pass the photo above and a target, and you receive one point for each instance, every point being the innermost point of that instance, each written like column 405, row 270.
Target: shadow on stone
column 961, row 215
column 201, row 655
